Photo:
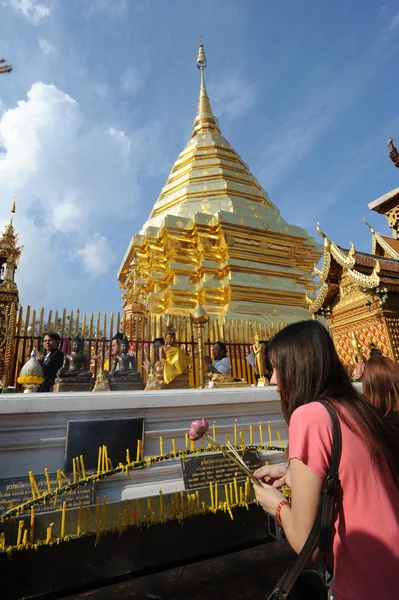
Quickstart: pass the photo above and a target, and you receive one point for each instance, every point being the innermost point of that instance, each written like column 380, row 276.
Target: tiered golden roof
column 214, row 235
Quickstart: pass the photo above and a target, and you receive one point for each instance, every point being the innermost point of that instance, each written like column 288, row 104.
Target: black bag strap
column 320, row 534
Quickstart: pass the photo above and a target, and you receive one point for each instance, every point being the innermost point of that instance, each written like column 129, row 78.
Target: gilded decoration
column 10, row 253
column 228, row 223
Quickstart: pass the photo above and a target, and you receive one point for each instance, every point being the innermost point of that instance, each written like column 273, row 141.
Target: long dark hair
column 309, row 369
column 381, row 384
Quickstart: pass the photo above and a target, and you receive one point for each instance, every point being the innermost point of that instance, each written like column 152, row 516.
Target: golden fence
column 98, row 330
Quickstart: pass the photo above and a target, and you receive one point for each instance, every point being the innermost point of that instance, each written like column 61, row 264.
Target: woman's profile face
column 217, row 352
column 274, row 379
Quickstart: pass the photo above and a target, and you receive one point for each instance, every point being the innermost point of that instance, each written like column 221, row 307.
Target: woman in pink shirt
column 364, row 556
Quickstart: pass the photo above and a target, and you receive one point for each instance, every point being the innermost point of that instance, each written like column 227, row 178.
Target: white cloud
column 116, row 9
column 33, row 10
column 131, row 81
column 46, row 47
column 66, row 175
column 286, row 145
column 96, row 255
column 231, row 96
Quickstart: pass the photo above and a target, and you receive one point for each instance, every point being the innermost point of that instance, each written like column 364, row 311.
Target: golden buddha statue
column 174, row 360
column 260, row 361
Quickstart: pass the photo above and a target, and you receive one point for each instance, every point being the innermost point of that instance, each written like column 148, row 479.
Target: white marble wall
column 33, row 426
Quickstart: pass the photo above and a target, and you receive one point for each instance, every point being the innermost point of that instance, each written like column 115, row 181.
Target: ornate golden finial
column 323, row 235
column 369, row 226
column 352, row 250
column 205, row 119
column 376, row 269
column 13, row 209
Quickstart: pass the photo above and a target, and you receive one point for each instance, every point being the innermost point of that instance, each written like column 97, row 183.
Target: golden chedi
column 214, row 235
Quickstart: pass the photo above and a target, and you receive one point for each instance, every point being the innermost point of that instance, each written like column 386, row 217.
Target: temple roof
column 385, row 202
column 209, row 176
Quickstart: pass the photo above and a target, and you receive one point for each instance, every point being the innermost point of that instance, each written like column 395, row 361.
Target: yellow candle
column 242, row 438
column 235, row 433
column 250, row 436
column 235, row 490
column 128, row 456
column 25, row 538
column 2, row 541
column 106, row 458
column 187, row 441
column 47, row 479
column 32, row 485
column 203, row 504
column 82, row 466
column 214, row 430
column 197, row 499
column 174, row 447
column 138, row 451
column 216, row 495
column 100, row 453
column 212, row 497
column 32, row 525
column 74, row 469
column 202, row 442
column 260, row 433
column 48, row 536
column 192, row 445
column 79, row 475
column 59, row 479
column 79, row 529
column 231, row 492
column 227, row 438
column 87, row 520
column 241, row 496
column 160, row 505
column 280, row 439
column 20, row 530
column 269, row 428
column 226, row 493
column 63, row 519
column 153, row 517
column 160, row 446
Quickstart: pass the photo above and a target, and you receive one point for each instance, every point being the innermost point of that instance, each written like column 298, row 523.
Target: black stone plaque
column 85, row 437
column 199, row 471
column 17, row 491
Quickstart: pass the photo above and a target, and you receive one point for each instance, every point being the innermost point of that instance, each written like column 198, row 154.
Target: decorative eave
column 347, row 261
column 393, row 153
column 377, row 238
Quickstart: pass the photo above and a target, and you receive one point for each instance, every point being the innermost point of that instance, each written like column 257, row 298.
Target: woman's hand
column 208, row 362
column 268, row 497
column 274, row 475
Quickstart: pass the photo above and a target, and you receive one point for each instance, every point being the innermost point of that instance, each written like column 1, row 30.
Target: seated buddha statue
column 75, row 363
column 174, row 361
column 124, row 374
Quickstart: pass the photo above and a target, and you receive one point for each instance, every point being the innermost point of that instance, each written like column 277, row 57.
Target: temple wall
column 33, row 428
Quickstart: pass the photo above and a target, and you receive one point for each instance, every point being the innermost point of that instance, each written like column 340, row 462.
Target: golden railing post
column 9, row 343
column 199, row 318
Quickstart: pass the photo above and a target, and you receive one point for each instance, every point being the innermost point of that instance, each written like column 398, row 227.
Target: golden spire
column 205, row 119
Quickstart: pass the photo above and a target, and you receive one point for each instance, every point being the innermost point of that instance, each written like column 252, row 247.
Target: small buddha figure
column 356, row 349
column 75, row 363
column 124, row 363
column 124, row 374
column 260, row 361
column 173, row 359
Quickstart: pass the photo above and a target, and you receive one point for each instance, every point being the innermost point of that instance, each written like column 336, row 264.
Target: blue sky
column 103, row 95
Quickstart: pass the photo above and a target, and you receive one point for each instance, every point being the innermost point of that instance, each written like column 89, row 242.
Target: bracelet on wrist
column 278, row 510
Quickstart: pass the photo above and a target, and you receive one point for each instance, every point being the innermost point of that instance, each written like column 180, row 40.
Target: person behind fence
column 381, row 386
column 221, row 365
column 51, row 362
column 158, row 342
column 364, row 554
